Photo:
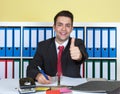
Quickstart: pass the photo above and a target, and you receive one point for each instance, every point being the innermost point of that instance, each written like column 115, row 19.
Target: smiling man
column 46, row 57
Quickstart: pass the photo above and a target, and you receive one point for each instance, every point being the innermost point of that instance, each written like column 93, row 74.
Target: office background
column 44, row 10
column 85, row 11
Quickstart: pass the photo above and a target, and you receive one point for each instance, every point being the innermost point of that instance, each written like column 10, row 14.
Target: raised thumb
column 72, row 42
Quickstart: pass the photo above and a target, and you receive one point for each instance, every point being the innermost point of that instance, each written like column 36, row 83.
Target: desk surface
column 10, row 86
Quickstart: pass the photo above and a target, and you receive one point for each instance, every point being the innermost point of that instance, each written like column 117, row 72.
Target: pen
column 41, row 71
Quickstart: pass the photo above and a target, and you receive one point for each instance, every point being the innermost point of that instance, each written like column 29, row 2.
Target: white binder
column 105, row 69
column 16, row 69
column 97, row 68
column 25, row 64
column 112, row 70
column 9, row 69
column 89, row 69
column 2, row 69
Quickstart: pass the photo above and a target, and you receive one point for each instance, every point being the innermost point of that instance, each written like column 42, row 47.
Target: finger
column 72, row 42
column 45, row 81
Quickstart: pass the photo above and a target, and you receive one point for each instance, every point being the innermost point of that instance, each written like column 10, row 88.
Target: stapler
column 27, row 85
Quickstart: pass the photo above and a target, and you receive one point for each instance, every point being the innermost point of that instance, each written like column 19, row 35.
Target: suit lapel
column 53, row 53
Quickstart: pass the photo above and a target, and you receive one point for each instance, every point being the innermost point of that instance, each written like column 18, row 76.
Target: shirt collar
column 63, row 44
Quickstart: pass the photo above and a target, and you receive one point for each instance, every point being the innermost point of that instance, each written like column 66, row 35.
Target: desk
column 10, row 86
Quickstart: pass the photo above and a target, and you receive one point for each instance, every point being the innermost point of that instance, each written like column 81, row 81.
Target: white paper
column 68, row 81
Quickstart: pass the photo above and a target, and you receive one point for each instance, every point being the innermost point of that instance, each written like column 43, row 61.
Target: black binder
column 98, row 86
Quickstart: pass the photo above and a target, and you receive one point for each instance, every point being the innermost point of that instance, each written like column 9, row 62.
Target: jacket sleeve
column 82, row 48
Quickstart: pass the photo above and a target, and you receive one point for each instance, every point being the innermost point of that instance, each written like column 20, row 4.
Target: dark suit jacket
column 46, row 58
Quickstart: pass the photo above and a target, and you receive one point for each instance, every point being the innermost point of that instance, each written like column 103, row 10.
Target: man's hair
column 65, row 13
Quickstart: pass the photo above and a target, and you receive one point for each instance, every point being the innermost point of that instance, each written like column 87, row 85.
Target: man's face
column 63, row 28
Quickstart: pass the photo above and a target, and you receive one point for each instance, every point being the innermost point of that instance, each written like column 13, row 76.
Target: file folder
column 113, row 69
column 2, row 69
column 89, row 69
column 105, row 69
column 97, row 69
column 41, row 34
column 48, row 32
column 89, row 41
column 2, row 42
column 9, row 41
column 113, row 42
column 26, row 42
column 105, row 42
column 17, row 69
column 24, row 68
column 17, row 41
column 33, row 41
column 80, row 33
column 73, row 33
column 10, row 69
column 97, row 48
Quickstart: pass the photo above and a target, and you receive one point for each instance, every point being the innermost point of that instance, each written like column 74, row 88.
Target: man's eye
column 59, row 24
column 68, row 25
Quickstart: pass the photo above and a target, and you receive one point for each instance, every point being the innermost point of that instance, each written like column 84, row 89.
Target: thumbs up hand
column 75, row 51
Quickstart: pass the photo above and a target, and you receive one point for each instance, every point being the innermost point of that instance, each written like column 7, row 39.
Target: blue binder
column 33, row 41
column 41, row 34
column 80, row 33
column 2, row 42
column 89, row 41
column 97, row 42
column 17, row 41
column 74, row 33
column 113, row 41
column 26, row 42
column 48, row 33
column 9, row 42
column 105, row 42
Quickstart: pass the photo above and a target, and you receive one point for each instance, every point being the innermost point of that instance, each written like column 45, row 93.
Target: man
column 73, row 55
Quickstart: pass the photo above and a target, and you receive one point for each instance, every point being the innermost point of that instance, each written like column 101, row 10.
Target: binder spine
column 48, row 33
column 105, row 42
column 97, row 42
column 112, row 41
column 89, row 41
column 34, row 40
column 2, row 42
column 26, row 42
column 17, row 42
column 9, row 42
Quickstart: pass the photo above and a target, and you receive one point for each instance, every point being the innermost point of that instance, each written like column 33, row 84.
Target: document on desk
column 65, row 81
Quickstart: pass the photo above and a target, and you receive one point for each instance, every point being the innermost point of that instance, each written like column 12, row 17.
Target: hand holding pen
column 42, row 77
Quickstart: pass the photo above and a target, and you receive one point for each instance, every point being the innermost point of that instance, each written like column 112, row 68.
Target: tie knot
column 61, row 47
